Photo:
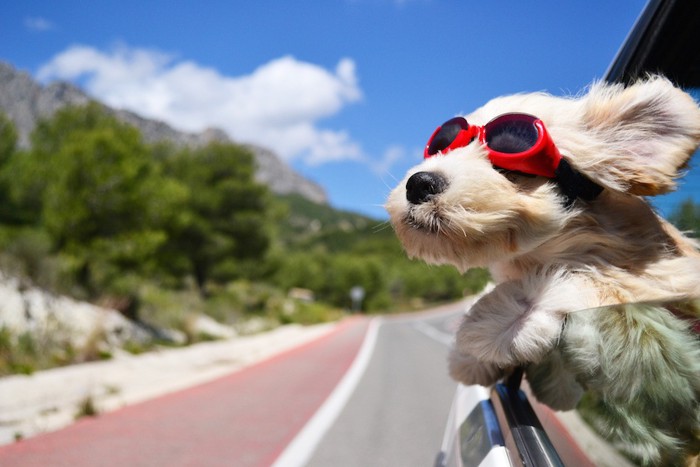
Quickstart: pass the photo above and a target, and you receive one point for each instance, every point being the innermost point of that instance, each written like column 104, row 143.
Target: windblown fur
column 550, row 260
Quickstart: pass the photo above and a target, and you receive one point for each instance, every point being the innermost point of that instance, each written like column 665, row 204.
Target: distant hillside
column 308, row 226
column 25, row 102
column 306, row 218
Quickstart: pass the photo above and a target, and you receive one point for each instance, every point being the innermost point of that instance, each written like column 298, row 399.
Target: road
column 398, row 412
column 394, row 413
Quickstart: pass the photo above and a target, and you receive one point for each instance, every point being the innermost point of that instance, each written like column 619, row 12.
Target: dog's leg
column 520, row 321
column 468, row 370
column 644, row 365
column 553, row 384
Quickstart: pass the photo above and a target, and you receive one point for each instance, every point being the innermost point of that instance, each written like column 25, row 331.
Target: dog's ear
column 639, row 137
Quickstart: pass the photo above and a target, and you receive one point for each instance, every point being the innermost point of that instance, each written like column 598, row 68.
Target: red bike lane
column 243, row 419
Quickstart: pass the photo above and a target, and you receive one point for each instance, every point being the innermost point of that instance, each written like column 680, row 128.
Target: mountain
column 25, row 102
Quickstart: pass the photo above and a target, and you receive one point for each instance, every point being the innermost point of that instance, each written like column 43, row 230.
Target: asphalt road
column 398, row 411
column 395, row 415
column 243, row 419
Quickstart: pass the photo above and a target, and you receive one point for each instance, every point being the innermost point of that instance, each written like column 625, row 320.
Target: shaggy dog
column 563, row 245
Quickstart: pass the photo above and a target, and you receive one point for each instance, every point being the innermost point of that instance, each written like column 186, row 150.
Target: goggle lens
column 511, row 134
column 515, row 141
column 446, row 135
column 452, row 134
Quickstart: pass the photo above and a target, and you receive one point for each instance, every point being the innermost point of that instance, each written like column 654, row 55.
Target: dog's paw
column 468, row 370
column 552, row 384
column 519, row 321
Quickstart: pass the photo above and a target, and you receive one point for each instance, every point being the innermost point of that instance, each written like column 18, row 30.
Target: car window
column 688, row 191
column 665, row 41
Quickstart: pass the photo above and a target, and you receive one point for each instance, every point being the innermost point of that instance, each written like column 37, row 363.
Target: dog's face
column 457, row 208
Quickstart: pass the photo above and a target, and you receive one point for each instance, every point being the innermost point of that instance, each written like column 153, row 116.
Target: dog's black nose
column 422, row 186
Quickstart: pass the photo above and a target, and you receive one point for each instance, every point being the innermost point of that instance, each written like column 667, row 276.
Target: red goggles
column 514, row 141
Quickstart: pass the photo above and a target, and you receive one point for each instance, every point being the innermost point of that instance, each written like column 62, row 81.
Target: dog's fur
column 551, row 259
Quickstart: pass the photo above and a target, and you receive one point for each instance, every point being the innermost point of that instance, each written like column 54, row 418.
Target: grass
column 47, row 347
column 26, row 353
column 87, row 408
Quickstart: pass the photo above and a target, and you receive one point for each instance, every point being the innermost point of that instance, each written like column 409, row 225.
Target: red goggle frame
column 514, row 141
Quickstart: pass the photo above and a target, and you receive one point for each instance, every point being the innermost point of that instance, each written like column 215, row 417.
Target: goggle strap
column 574, row 184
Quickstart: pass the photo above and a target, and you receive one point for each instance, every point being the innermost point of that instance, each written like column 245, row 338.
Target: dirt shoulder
column 49, row 400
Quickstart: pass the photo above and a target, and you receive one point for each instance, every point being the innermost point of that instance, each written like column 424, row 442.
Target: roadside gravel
column 49, row 400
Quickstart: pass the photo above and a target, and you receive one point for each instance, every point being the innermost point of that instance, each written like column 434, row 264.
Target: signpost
column 357, row 294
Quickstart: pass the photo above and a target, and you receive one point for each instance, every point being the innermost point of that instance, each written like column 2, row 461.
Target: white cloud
column 277, row 105
column 391, row 155
column 38, row 24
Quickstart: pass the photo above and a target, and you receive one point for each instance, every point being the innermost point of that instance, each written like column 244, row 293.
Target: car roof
column 665, row 39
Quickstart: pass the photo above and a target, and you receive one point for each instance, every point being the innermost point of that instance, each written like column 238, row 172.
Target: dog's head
column 459, row 208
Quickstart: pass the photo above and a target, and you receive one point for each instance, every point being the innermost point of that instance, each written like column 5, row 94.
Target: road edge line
column 299, row 451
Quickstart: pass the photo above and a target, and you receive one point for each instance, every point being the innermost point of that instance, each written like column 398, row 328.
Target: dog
column 549, row 193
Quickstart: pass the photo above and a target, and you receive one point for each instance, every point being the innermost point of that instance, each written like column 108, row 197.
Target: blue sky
column 347, row 91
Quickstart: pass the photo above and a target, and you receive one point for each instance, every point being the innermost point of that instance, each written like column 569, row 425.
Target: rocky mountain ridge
column 25, row 101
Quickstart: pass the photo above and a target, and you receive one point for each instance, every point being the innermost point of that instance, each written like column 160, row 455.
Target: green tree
column 301, row 269
column 226, row 227
column 32, row 171
column 8, row 149
column 687, row 216
column 99, row 195
column 8, row 139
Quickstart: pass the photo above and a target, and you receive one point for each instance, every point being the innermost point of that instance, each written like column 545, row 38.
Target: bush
column 307, row 313
column 168, row 309
column 39, row 350
column 26, row 253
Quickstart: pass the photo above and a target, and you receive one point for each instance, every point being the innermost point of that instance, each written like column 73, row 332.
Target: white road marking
column 302, row 447
column 435, row 334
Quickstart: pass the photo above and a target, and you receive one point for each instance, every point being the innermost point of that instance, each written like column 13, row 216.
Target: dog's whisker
column 381, row 227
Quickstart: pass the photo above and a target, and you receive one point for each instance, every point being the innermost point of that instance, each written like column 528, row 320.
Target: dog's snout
column 422, row 186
